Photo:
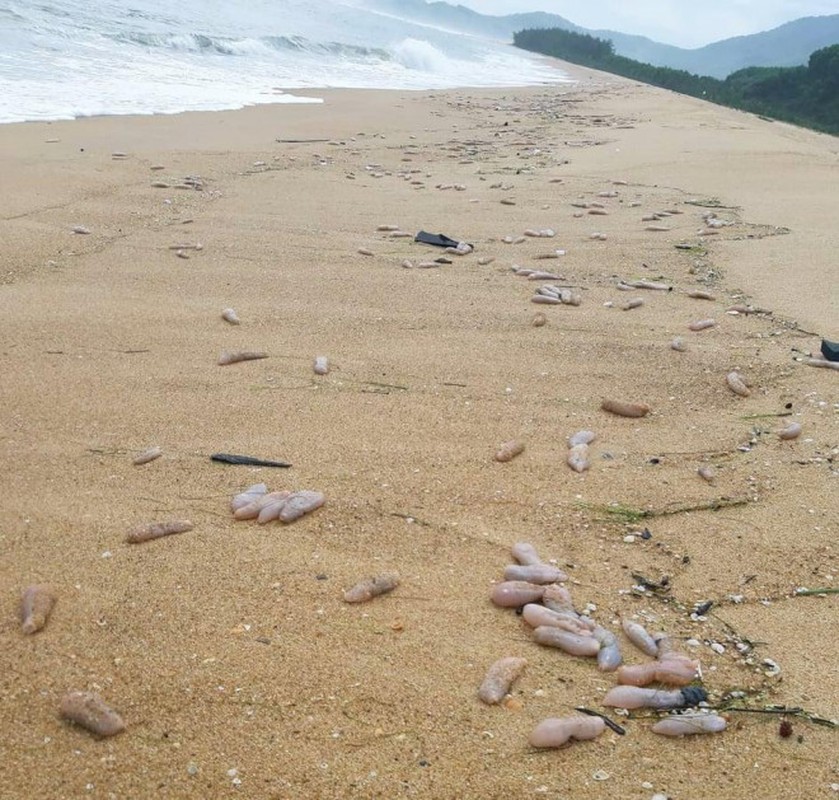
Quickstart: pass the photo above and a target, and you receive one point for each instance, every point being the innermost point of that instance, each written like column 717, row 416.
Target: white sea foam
column 91, row 57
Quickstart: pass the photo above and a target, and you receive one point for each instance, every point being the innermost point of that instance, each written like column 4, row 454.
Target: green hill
column 805, row 95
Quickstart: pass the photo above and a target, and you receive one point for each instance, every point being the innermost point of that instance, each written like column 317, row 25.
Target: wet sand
column 228, row 649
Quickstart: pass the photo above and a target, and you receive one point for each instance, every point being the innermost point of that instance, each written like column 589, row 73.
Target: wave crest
column 417, row 54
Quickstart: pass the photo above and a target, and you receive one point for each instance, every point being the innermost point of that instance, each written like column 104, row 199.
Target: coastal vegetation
column 804, row 95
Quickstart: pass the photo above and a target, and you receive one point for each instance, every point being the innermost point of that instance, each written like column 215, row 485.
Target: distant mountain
column 788, row 45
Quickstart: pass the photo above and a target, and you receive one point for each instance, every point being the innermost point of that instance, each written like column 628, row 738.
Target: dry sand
column 228, row 649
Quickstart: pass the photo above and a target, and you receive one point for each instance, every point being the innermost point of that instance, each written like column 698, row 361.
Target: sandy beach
column 228, row 649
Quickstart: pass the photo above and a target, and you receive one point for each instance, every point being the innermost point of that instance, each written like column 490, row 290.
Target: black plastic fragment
column 830, row 350
column 693, row 695
column 437, row 239
column 249, row 461
column 610, row 723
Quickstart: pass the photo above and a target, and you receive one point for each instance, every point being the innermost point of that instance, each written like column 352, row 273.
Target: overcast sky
column 687, row 23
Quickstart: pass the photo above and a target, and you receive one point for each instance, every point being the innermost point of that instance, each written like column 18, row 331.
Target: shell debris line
column 536, row 589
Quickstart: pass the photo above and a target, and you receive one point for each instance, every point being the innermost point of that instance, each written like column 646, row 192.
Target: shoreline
column 228, row 649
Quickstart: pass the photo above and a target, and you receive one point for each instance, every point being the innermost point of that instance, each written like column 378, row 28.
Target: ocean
column 81, row 58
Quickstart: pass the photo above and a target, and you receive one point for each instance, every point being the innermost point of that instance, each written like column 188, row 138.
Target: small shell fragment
column 36, row 603
column 321, row 366
column 156, row 530
column 371, row 587
column 499, row 678
column 229, row 315
column 538, row 320
column 89, row 710
column 678, row 344
column 147, row 455
column 509, row 450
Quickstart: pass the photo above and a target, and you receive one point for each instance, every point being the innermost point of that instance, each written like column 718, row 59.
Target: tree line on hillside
column 806, row 95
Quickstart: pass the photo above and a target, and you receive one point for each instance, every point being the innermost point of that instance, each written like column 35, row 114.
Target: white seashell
column 229, row 315
column 321, row 366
